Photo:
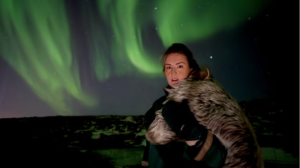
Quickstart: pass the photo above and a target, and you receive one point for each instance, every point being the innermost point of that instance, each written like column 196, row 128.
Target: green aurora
column 35, row 40
column 37, row 45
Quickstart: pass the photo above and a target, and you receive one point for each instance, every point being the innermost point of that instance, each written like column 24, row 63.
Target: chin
column 170, row 84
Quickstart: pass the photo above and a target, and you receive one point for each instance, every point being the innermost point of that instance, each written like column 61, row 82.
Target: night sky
column 88, row 57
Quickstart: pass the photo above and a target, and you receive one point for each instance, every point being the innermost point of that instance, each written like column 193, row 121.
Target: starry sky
column 102, row 57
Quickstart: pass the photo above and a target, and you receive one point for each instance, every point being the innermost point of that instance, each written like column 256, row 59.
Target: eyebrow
column 176, row 63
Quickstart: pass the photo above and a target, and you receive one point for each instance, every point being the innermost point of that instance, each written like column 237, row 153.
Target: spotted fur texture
column 214, row 108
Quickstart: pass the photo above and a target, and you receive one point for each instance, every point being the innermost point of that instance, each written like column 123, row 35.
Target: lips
column 175, row 80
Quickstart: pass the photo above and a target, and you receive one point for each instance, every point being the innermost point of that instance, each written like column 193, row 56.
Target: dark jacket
column 173, row 154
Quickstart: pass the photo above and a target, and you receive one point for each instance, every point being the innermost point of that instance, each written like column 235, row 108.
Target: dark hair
column 182, row 49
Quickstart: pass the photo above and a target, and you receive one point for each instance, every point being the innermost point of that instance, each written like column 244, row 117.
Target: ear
column 168, row 90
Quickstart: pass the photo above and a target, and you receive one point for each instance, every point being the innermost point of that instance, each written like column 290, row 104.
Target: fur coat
column 220, row 113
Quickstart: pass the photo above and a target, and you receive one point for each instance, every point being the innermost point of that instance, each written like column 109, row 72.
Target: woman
column 200, row 148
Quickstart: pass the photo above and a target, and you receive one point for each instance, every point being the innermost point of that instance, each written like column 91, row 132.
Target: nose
column 173, row 71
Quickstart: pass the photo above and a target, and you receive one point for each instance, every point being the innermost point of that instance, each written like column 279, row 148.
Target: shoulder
column 160, row 100
column 196, row 85
column 157, row 104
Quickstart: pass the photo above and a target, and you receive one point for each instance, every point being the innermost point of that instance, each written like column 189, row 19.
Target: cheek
column 167, row 75
column 184, row 73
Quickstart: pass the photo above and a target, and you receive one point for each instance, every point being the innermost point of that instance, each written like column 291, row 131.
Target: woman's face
column 176, row 68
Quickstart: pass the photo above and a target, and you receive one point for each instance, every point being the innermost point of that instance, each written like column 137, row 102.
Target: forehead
column 174, row 58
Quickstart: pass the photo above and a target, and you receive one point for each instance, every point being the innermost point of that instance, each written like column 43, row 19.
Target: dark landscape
column 118, row 141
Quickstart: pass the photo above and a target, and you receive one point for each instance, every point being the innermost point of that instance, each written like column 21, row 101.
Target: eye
column 168, row 67
column 180, row 66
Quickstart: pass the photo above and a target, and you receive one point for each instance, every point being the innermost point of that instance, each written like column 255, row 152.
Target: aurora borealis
column 85, row 57
column 37, row 45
